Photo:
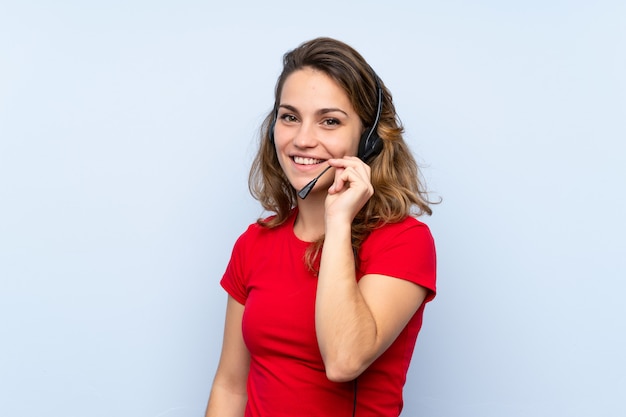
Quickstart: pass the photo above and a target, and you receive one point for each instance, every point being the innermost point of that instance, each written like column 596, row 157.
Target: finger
column 351, row 177
column 338, row 181
column 351, row 162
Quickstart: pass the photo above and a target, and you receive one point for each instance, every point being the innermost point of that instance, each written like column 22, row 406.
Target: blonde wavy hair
column 398, row 187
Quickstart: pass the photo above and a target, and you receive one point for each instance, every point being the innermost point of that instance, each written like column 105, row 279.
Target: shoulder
column 258, row 231
column 409, row 229
column 253, row 232
column 406, row 242
column 409, row 222
column 405, row 250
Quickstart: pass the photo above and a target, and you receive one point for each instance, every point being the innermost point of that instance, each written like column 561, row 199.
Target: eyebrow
column 320, row 111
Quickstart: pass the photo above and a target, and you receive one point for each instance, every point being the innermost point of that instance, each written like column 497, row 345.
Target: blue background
column 126, row 133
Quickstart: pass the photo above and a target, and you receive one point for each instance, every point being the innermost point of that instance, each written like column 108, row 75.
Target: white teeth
column 306, row 161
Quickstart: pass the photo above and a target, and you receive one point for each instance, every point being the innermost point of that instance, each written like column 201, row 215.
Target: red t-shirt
column 267, row 274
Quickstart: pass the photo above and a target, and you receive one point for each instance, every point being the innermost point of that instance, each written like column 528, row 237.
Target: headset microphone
column 307, row 188
column 370, row 143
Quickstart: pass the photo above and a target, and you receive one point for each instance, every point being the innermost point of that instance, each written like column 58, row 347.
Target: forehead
column 311, row 87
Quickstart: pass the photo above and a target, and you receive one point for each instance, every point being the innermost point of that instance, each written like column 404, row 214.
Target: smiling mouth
column 307, row 161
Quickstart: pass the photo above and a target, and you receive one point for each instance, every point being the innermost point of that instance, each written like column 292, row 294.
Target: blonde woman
column 326, row 295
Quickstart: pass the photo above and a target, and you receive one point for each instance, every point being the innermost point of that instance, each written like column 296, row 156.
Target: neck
column 310, row 225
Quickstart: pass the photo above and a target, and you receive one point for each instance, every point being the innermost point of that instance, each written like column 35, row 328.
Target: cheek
column 278, row 149
column 354, row 149
column 279, row 137
column 278, row 145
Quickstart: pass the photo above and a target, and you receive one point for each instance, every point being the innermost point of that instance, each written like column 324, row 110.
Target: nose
column 305, row 136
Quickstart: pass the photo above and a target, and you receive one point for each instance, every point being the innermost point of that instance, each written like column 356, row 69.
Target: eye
column 289, row 118
column 331, row 122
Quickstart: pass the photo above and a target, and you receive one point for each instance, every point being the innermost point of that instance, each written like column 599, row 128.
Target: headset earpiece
column 370, row 143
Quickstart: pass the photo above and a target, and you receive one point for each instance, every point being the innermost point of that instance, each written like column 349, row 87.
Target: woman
column 326, row 296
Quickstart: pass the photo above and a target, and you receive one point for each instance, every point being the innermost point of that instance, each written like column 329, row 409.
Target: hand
column 350, row 191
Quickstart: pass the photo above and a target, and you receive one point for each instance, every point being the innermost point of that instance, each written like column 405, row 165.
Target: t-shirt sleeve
column 405, row 250
column 234, row 280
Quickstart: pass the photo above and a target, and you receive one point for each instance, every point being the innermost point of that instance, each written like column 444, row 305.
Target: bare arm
column 355, row 323
column 228, row 395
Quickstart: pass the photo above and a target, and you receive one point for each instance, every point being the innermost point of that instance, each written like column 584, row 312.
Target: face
column 316, row 122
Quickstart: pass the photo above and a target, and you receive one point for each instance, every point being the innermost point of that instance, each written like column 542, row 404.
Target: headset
column 370, row 144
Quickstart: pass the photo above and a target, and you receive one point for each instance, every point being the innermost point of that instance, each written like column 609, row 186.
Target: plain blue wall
column 126, row 132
